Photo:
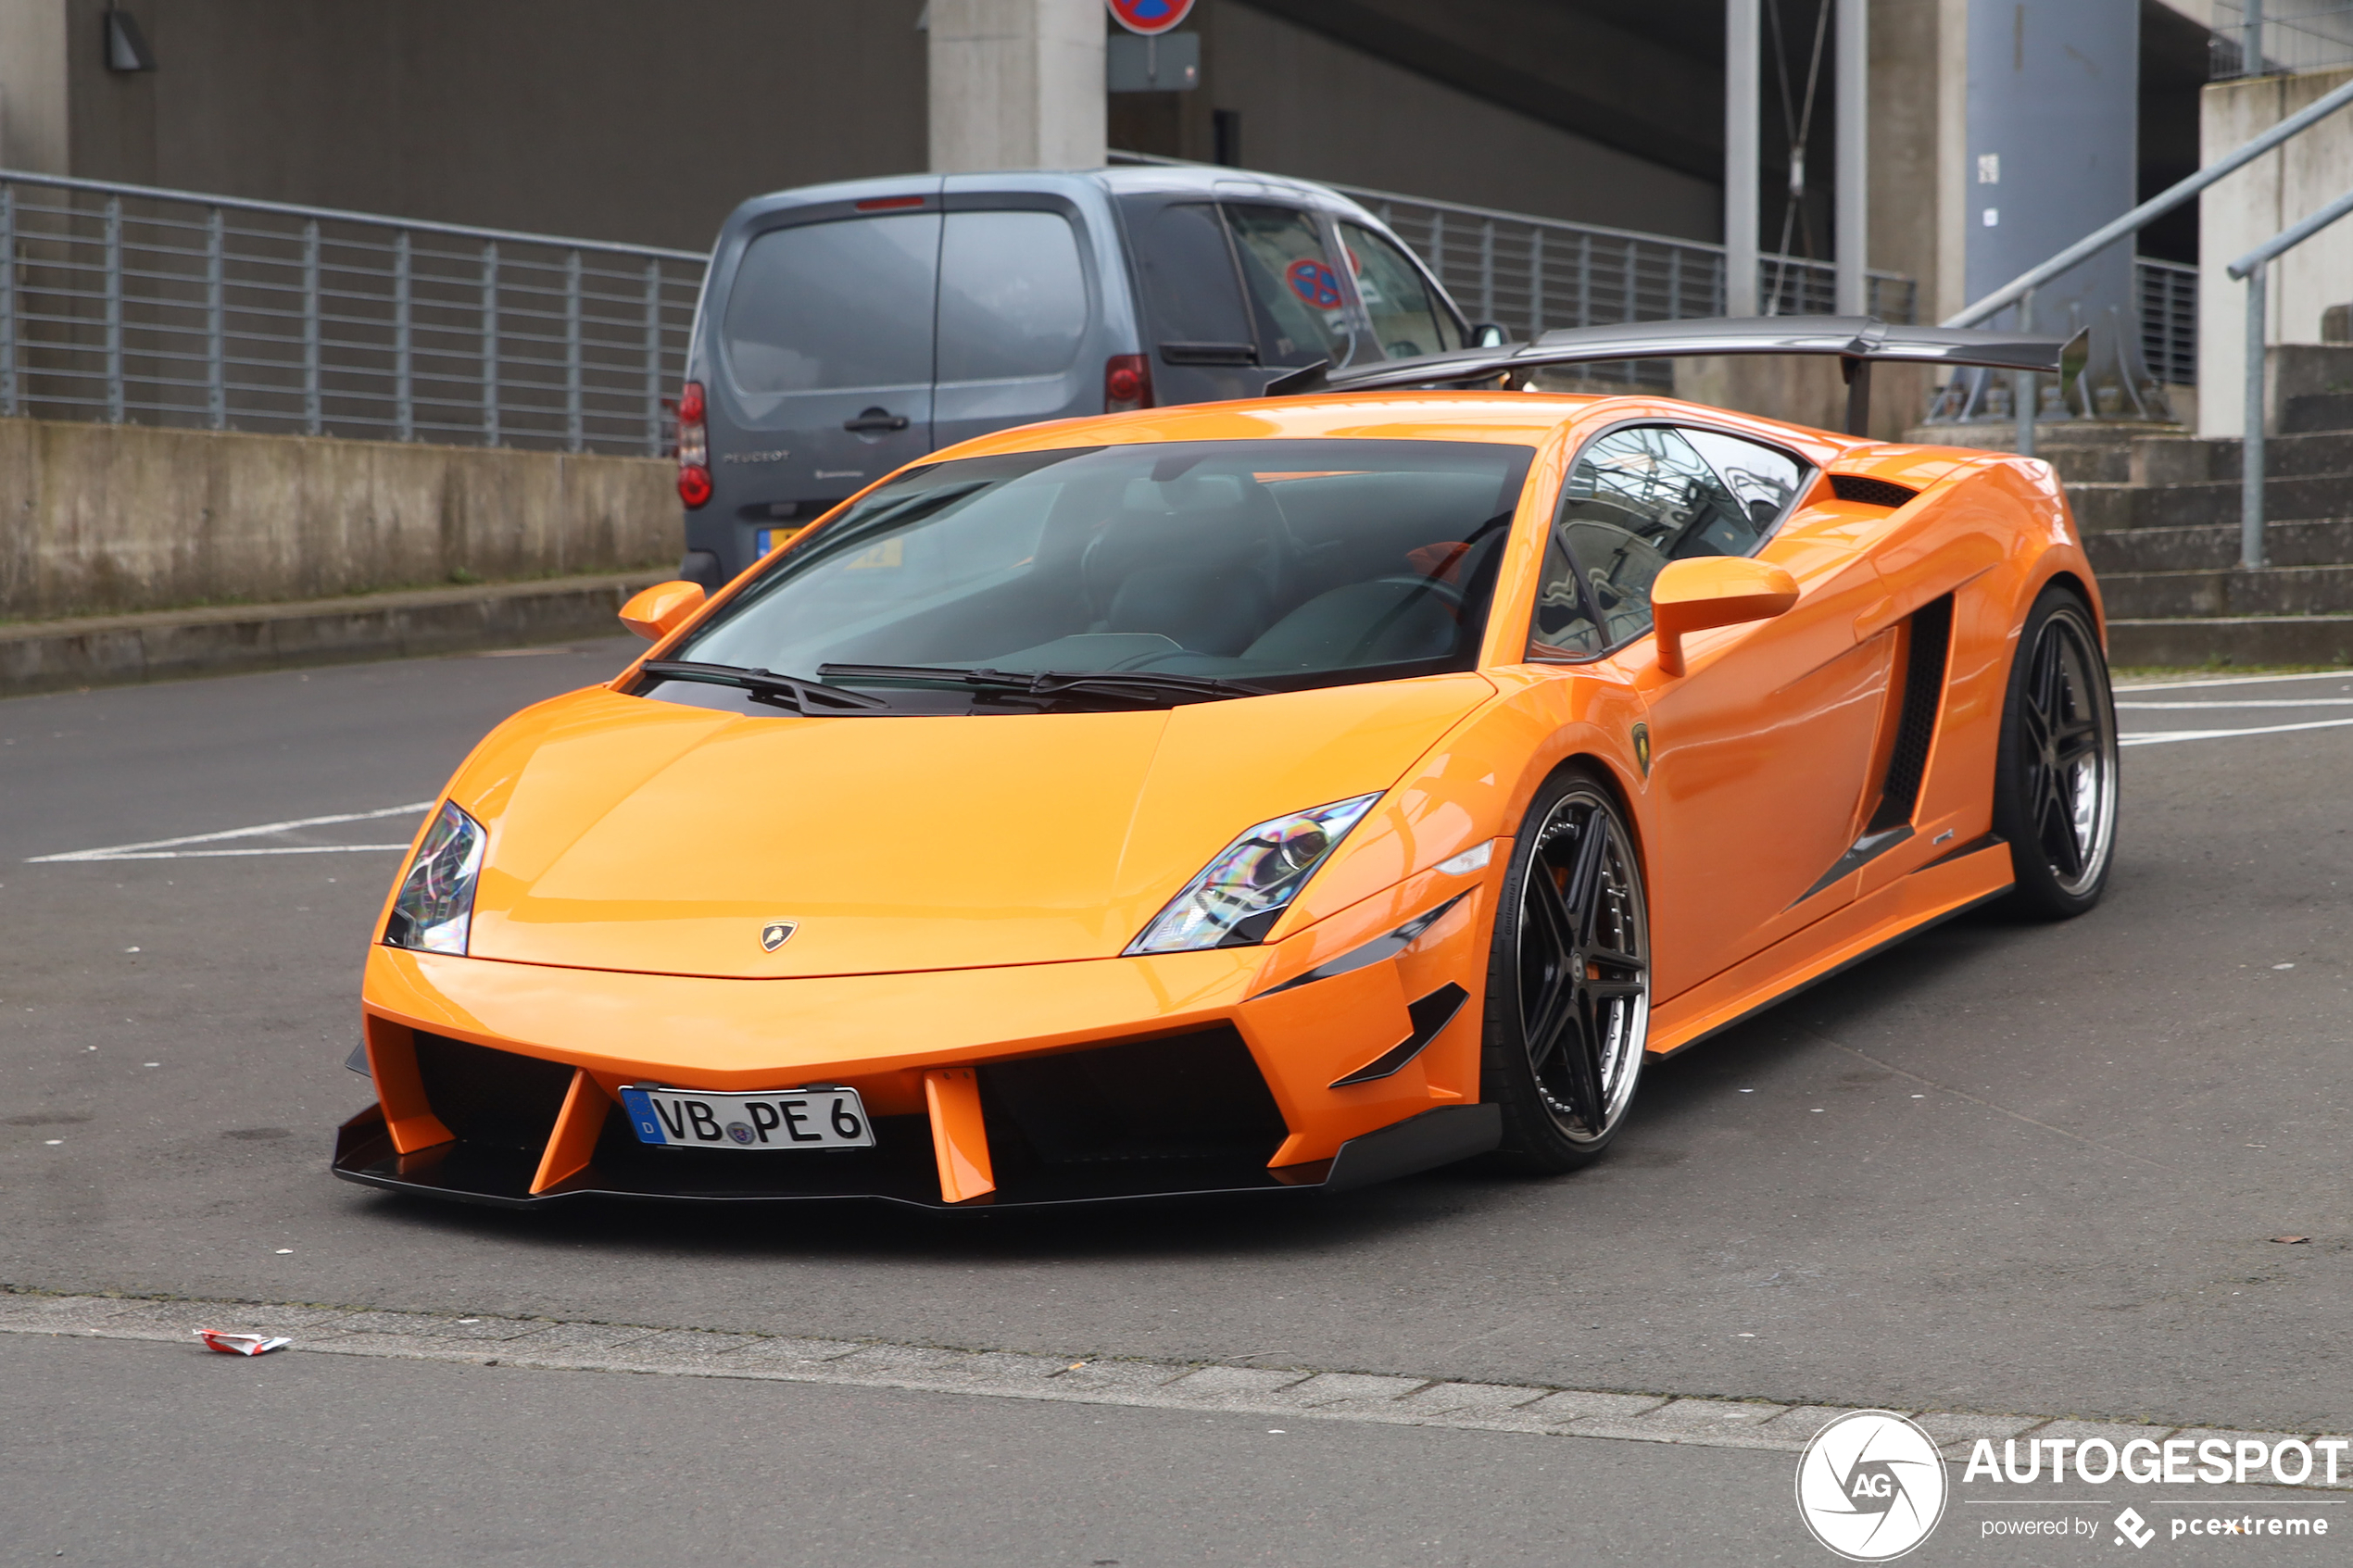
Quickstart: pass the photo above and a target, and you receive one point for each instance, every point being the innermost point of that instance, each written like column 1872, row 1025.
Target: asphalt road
column 2008, row 1168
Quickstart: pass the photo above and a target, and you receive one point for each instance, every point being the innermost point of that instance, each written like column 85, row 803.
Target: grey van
column 845, row 329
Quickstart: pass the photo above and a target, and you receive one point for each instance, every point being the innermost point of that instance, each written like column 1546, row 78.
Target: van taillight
column 694, row 448
column 1128, row 384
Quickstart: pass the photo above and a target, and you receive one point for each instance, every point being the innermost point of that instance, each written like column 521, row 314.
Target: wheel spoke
column 1608, row 989
column 1583, row 895
column 1584, row 1061
column 2058, row 836
column 1610, row 958
column 2046, row 678
column 2076, row 741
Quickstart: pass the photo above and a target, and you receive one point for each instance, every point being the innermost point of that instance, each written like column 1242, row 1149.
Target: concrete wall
column 606, row 119
column 100, row 518
column 2241, row 212
column 1311, row 107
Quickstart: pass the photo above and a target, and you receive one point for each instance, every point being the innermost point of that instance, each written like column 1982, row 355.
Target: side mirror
column 1704, row 591
column 1487, row 334
column 662, row 609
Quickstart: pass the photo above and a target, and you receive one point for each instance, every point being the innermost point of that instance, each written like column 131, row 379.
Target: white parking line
column 2237, row 681
column 2158, row 737
column 172, row 848
column 2255, row 702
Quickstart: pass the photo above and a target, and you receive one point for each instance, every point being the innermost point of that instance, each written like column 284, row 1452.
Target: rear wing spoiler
column 1858, row 340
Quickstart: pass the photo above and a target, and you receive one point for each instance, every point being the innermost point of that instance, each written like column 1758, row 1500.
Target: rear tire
column 1567, row 979
column 2055, row 781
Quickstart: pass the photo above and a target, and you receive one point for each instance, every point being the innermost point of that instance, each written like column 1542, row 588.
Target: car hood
column 631, row 833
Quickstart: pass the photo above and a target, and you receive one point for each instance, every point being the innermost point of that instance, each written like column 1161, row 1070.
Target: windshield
column 1260, row 565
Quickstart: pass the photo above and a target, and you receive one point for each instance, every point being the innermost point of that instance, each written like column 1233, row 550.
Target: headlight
column 1238, row 899
column 436, row 901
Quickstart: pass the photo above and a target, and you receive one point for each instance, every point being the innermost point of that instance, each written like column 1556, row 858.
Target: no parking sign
column 1150, row 16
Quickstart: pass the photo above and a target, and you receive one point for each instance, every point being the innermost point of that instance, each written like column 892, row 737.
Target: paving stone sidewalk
column 1283, row 1392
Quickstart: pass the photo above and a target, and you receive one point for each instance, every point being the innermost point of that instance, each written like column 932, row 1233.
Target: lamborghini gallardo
column 1271, row 796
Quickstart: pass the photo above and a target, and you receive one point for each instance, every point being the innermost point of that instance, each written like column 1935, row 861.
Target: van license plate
column 756, row 1123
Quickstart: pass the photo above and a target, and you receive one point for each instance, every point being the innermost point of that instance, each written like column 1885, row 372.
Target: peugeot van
column 845, row 329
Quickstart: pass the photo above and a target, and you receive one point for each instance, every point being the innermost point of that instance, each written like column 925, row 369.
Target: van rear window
column 821, row 307
column 1012, row 297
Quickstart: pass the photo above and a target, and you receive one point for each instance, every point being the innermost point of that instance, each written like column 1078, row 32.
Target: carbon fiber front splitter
column 900, row 1169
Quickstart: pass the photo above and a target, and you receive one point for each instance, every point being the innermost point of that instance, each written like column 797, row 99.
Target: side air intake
column 1924, row 665
column 1869, row 492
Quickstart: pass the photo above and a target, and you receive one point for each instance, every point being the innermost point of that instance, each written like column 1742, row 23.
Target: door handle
column 875, row 421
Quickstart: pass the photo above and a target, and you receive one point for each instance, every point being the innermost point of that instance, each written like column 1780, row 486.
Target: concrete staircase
column 2159, row 511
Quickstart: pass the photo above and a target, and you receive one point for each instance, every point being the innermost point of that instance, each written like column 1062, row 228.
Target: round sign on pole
column 1149, row 17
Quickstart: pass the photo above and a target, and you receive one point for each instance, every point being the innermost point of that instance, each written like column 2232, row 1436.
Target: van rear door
column 1021, row 336
column 826, row 338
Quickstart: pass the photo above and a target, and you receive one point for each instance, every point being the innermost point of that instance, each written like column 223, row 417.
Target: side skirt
column 1928, row 896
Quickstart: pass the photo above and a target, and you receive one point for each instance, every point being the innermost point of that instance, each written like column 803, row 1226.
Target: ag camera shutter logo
column 1870, row 1486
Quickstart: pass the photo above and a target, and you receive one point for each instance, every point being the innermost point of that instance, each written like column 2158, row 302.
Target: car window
column 825, row 306
column 1013, row 296
column 1188, row 275
column 1763, row 480
column 1292, row 284
column 1635, row 500
column 1407, row 320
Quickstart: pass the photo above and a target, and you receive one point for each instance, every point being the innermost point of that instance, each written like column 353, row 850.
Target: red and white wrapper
column 230, row 1344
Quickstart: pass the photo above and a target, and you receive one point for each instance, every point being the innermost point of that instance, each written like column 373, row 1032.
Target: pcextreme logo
column 1870, row 1486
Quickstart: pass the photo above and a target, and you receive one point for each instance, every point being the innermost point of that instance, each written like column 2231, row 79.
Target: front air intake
column 1181, row 1097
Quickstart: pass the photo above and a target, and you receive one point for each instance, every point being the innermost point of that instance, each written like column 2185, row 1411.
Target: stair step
column 2317, row 412
column 2315, row 542
column 2196, row 642
column 2280, row 590
column 2188, row 459
column 2100, row 508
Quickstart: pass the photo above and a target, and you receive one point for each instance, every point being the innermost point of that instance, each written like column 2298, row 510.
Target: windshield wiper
column 807, row 697
column 1147, row 686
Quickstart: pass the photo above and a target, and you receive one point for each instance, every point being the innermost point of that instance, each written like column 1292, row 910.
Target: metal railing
column 126, row 303
column 2262, row 37
column 1529, row 275
column 2166, row 291
column 2255, row 267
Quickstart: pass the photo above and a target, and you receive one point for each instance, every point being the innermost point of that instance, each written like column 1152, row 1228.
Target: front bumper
column 1096, row 1080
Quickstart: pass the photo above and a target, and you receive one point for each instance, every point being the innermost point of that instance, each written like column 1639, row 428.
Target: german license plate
column 756, row 1123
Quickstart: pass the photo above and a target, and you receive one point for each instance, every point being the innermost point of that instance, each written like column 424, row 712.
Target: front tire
column 2055, row 782
column 1567, row 980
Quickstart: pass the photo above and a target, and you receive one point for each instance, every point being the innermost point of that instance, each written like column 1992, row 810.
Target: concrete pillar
column 1016, row 85
column 2240, row 212
column 34, row 126
column 1741, row 104
column 1853, row 206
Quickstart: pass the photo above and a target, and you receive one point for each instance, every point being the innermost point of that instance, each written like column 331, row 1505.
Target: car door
column 1231, row 292
column 1020, row 311
column 1760, row 753
column 1406, row 314
column 825, row 344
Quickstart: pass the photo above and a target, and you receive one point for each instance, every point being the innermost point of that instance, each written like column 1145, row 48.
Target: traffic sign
column 1150, row 16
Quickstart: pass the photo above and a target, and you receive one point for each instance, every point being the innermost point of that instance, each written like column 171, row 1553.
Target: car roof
column 1208, row 180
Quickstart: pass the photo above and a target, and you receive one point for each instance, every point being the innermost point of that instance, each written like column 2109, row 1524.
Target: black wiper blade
column 1135, row 686
column 808, row 697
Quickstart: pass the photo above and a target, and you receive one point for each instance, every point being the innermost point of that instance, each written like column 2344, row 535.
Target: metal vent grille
column 1916, row 727
column 1869, row 492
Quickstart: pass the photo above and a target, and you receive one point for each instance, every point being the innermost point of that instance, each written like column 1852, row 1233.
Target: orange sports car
column 1253, row 796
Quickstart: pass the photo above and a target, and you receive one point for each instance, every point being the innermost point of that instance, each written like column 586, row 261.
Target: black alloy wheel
column 2055, row 787
column 1568, row 980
